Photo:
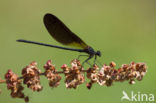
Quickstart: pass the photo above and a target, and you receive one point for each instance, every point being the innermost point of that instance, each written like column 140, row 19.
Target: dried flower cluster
column 107, row 74
column 31, row 77
column 74, row 76
column 14, row 84
column 51, row 74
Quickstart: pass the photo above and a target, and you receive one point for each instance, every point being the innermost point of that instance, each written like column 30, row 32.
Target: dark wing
column 59, row 31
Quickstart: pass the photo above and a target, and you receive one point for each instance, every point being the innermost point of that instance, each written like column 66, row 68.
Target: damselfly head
column 98, row 53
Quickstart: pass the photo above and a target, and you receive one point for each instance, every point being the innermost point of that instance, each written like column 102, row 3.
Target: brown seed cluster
column 31, row 76
column 14, row 84
column 73, row 75
column 51, row 74
column 108, row 74
column 92, row 74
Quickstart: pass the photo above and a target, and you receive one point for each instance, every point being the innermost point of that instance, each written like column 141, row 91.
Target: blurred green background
column 123, row 30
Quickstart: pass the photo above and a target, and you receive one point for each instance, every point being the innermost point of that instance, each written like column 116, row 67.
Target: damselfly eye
column 98, row 53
